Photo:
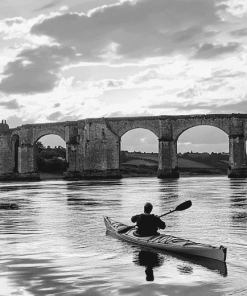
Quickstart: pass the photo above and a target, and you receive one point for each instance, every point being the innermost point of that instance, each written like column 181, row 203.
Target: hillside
column 147, row 163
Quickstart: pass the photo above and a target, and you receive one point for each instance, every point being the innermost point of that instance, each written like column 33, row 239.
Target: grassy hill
column 147, row 164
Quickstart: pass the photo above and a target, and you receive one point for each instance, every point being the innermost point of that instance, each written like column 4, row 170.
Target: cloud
column 35, row 70
column 188, row 93
column 239, row 33
column 49, row 5
column 230, row 107
column 54, row 116
column 136, row 29
column 221, row 107
column 225, row 73
column 113, row 83
column 115, row 34
column 211, row 51
column 146, row 76
column 13, row 21
column 222, row 78
column 127, row 112
column 60, row 117
column 14, row 121
column 12, row 105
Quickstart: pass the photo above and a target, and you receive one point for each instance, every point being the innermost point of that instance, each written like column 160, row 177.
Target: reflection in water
column 185, row 269
column 238, row 190
column 168, row 188
column 90, row 193
column 150, row 260
column 92, row 183
column 83, row 201
column 210, row 264
column 155, row 258
column 9, row 206
column 239, row 203
column 240, row 217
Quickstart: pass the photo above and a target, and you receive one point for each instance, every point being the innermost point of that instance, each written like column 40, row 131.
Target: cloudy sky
column 74, row 59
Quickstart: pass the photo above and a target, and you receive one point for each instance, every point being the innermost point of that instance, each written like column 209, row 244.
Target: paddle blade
column 184, row 206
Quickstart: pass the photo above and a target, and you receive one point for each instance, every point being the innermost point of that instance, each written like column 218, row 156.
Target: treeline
column 51, row 160
column 197, row 156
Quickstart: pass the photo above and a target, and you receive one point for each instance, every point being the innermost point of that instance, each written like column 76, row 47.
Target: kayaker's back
column 147, row 224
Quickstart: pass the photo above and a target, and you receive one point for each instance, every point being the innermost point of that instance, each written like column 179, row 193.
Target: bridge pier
column 237, row 156
column 6, row 156
column 27, row 164
column 168, row 162
column 74, row 158
column 100, row 151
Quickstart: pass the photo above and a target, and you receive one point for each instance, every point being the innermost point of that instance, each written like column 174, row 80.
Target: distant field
column 149, row 159
column 137, row 162
column 152, row 157
column 182, row 163
column 185, row 163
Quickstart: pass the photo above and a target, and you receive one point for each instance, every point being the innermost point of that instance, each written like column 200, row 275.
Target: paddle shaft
column 167, row 213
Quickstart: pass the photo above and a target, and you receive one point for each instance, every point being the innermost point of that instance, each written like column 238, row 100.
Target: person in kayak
column 147, row 223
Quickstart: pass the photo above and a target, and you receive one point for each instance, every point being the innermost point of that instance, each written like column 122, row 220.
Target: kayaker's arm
column 161, row 224
column 134, row 218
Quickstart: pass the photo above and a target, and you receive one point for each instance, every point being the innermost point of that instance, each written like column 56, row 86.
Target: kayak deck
column 167, row 242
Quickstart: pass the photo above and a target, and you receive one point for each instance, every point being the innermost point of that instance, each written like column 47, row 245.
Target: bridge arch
column 181, row 129
column 139, row 126
column 50, row 155
column 122, row 126
column 143, row 139
column 48, row 131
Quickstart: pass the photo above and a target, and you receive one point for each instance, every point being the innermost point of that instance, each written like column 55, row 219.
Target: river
column 56, row 242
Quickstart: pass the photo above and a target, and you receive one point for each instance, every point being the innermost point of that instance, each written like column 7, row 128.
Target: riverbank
column 47, row 176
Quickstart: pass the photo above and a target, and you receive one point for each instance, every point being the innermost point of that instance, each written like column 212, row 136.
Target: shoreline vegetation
column 139, row 164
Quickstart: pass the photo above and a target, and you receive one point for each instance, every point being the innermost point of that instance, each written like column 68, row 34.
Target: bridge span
column 93, row 144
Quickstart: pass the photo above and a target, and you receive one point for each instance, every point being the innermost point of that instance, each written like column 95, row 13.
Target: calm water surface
column 56, row 243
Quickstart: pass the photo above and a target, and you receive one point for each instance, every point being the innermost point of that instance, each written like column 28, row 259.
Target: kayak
column 165, row 242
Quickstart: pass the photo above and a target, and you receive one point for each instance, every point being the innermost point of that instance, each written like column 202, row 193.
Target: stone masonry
column 93, row 145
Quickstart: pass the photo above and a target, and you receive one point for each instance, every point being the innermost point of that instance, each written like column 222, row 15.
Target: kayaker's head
column 148, row 208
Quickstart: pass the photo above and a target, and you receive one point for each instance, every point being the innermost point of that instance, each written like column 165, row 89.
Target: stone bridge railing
column 93, row 145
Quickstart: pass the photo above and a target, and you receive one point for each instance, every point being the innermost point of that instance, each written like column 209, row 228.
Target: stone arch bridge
column 93, row 145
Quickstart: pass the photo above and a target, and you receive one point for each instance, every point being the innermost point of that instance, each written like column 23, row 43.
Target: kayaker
column 147, row 223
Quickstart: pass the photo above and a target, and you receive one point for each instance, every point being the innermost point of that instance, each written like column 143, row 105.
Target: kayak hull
column 167, row 242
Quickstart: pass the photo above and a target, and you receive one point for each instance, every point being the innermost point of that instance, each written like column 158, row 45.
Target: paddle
column 183, row 206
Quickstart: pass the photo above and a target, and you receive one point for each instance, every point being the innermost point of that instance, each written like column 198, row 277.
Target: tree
column 40, row 146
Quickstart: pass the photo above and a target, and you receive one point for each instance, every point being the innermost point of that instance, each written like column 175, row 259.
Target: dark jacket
column 148, row 224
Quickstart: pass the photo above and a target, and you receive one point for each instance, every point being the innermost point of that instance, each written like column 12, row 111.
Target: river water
column 56, row 242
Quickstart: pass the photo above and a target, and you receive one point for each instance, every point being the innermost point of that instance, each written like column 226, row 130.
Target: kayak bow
column 166, row 242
